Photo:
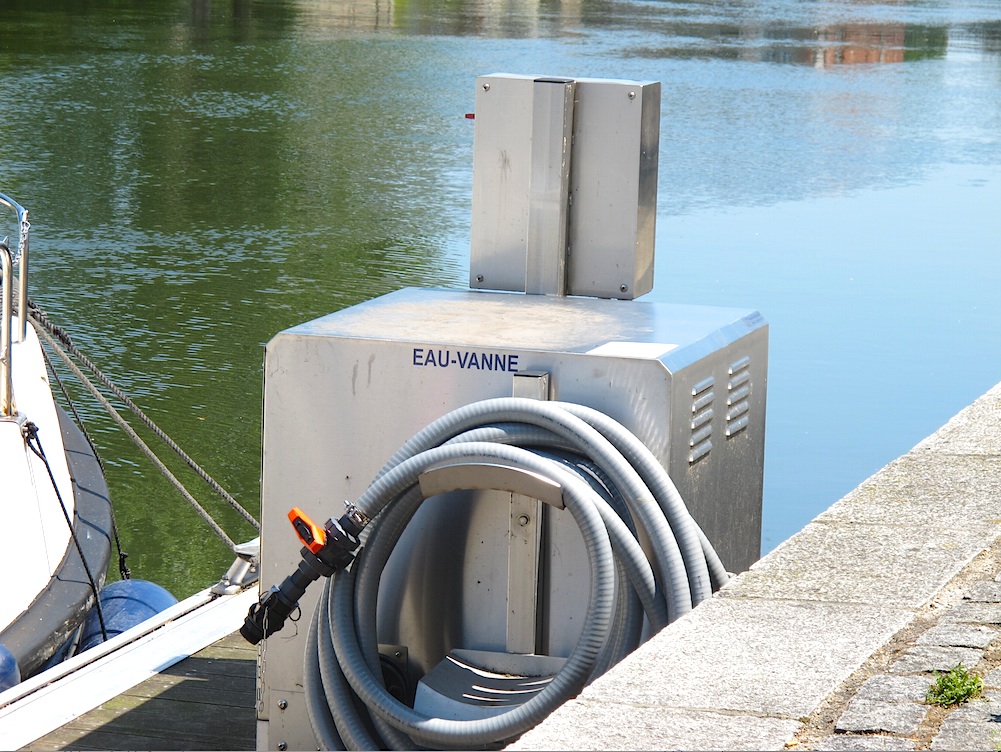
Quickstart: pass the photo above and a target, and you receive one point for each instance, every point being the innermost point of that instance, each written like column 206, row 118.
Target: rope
column 132, row 434
column 38, row 317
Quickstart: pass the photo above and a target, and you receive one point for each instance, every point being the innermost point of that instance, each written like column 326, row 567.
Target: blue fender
column 124, row 604
column 10, row 674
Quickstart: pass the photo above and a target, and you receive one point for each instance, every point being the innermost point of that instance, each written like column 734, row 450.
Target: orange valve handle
column 326, row 551
column 312, row 536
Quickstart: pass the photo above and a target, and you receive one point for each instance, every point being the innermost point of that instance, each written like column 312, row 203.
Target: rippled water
column 202, row 175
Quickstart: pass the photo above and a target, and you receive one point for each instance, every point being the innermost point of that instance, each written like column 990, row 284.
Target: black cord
column 30, row 433
column 123, row 569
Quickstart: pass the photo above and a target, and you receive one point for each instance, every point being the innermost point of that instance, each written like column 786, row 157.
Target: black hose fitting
column 319, row 559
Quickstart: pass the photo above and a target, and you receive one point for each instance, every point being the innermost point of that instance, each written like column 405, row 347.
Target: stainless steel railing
column 8, row 259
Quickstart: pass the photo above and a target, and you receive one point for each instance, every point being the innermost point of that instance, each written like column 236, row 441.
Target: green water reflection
column 202, row 175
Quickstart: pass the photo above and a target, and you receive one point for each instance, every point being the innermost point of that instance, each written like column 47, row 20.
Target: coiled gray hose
column 612, row 485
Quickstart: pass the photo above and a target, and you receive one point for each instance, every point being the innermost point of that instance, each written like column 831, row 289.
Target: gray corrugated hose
column 612, row 485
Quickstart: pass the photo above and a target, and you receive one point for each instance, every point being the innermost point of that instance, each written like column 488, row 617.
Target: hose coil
column 614, row 488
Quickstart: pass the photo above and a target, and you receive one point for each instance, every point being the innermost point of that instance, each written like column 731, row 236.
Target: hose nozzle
column 325, row 551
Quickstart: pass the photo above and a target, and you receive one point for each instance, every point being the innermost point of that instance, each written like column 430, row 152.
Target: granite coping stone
column 863, row 564
column 776, row 658
column 926, row 493
column 974, row 430
column 655, row 728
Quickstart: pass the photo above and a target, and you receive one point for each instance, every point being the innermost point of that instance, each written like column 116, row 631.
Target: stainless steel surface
column 502, row 162
column 549, row 186
column 21, row 260
column 487, row 476
column 19, row 256
column 526, row 525
column 527, row 528
column 614, row 196
column 530, row 385
column 6, row 311
column 568, row 175
column 343, row 392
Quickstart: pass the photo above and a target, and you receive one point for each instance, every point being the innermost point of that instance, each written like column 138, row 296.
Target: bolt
column 282, row 704
column 486, row 87
column 523, row 520
column 282, row 746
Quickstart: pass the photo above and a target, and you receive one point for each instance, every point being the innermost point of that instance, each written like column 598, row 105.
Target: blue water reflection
column 204, row 174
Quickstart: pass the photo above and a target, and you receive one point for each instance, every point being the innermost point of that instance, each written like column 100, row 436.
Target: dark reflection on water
column 204, row 174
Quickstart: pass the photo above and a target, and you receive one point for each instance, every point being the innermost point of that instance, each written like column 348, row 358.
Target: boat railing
column 8, row 259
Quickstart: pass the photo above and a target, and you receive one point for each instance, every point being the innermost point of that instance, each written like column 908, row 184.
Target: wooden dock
column 206, row 701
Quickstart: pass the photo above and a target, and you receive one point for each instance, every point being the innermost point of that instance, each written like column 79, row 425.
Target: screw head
column 523, row 520
column 486, row 87
column 479, row 277
column 282, row 704
column 623, row 288
column 632, row 95
column 282, row 746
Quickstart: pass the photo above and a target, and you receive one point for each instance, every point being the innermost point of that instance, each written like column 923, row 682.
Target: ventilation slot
column 702, row 416
column 738, row 392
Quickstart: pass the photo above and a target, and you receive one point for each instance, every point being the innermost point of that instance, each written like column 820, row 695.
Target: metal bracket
column 489, row 476
column 244, row 570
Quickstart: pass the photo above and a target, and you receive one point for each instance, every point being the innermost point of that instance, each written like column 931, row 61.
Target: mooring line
column 39, row 318
column 123, row 424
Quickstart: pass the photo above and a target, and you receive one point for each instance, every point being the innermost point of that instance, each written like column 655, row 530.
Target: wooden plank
column 44, row 702
column 206, row 702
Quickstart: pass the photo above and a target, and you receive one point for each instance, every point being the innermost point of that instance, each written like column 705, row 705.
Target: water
column 202, row 175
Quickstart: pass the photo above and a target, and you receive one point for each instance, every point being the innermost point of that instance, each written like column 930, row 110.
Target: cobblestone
column 874, row 716
column 935, row 658
column 959, row 635
column 887, row 710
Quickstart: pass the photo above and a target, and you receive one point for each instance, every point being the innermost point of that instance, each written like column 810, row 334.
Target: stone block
column 985, row 592
column 935, row 658
column 852, row 563
column 955, row 735
column 970, row 612
column 641, row 728
column 974, row 430
column 755, row 656
column 959, row 635
column 864, row 743
column 883, row 688
column 871, row 716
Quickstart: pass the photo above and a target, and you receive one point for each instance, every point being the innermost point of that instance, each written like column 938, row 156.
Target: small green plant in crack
column 954, row 687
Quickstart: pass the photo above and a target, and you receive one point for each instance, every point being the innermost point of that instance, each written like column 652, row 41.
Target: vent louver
column 738, row 392
column 700, row 442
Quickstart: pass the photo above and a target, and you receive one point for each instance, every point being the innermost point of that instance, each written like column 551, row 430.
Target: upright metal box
column 565, row 164
column 343, row 392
